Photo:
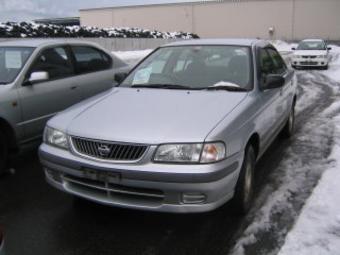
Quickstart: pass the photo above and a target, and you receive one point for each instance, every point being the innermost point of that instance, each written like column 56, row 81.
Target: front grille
column 311, row 57
column 113, row 193
column 108, row 150
column 309, row 63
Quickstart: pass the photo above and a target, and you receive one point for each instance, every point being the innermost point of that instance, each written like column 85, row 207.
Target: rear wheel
column 288, row 129
column 245, row 184
column 3, row 153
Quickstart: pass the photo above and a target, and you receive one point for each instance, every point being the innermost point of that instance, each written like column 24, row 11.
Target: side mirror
column 36, row 77
column 293, row 48
column 274, row 81
column 119, row 77
column 329, row 48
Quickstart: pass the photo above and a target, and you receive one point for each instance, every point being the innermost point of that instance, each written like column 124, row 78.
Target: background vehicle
column 200, row 114
column 311, row 53
column 39, row 78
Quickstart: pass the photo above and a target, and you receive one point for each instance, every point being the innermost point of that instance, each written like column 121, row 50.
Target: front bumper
column 144, row 185
column 309, row 62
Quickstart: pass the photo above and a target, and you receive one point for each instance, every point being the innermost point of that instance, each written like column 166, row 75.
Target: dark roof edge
column 60, row 18
column 152, row 5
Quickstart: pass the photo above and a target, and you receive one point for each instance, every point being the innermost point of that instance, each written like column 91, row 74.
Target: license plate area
column 102, row 176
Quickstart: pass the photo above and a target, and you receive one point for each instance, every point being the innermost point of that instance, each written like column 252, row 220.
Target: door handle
column 74, row 87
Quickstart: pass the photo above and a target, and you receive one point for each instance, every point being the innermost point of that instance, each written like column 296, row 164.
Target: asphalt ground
column 41, row 220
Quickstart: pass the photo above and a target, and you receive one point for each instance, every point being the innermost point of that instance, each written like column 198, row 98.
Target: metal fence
column 119, row 44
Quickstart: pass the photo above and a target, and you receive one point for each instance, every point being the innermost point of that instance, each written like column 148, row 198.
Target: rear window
column 89, row 59
column 12, row 60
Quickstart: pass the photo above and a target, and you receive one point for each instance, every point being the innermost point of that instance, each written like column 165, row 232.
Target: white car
column 311, row 53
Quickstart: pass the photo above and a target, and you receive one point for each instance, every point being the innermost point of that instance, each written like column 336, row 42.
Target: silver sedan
column 181, row 133
column 39, row 78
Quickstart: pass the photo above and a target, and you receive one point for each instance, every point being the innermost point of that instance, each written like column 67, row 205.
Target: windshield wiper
column 163, row 86
column 3, row 83
column 227, row 88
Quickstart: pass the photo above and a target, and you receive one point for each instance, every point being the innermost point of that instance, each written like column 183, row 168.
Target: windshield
column 194, row 67
column 312, row 45
column 12, row 60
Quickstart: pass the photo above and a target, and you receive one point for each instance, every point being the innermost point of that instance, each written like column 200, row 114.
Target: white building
column 284, row 19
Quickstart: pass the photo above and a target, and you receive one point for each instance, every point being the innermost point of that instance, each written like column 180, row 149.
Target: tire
column 288, row 129
column 244, row 190
column 3, row 153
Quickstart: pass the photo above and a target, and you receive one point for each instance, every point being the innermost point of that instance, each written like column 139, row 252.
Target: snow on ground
column 283, row 46
column 132, row 57
column 317, row 229
column 334, row 67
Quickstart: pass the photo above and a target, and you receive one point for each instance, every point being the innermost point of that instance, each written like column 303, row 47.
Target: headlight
column 297, row 56
column 190, row 153
column 323, row 56
column 55, row 137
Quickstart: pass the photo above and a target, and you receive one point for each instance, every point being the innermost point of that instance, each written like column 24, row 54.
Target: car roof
column 36, row 43
column 231, row 41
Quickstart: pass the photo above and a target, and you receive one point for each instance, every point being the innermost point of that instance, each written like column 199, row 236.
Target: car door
column 269, row 98
column 286, row 92
column 41, row 100
column 94, row 70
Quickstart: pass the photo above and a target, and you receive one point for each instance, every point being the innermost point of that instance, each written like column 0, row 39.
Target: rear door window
column 55, row 61
column 279, row 64
column 266, row 65
column 89, row 59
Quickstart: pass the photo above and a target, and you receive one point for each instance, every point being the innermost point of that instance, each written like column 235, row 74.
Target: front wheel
column 245, row 185
column 3, row 153
column 288, row 129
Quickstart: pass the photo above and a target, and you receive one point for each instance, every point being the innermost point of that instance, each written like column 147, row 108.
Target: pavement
column 40, row 220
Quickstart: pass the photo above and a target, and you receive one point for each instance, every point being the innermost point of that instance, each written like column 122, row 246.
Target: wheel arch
column 254, row 141
column 9, row 133
column 294, row 100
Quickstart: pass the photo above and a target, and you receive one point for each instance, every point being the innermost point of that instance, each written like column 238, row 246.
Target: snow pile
column 24, row 29
column 283, row 46
column 334, row 66
column 303, row 164
column 132, row 57
column 317, row 230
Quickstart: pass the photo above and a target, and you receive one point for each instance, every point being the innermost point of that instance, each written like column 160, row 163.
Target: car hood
column 310, row 52
column 151, row 116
